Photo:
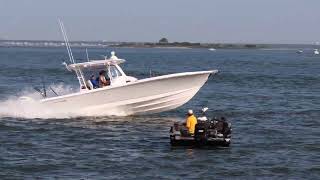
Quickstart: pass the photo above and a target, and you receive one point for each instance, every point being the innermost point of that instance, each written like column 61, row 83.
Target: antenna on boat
column 77, row 70
column 105, row 57
column 87, row 55
column 66, row 40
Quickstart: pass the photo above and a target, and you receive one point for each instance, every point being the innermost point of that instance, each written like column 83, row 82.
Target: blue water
column 271, row 97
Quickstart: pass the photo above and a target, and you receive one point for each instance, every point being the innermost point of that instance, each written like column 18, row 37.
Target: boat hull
column 146, row 96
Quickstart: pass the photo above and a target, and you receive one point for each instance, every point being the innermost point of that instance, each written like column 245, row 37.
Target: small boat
column 212, row 49
column 208, row 133
column 124, row 95
column 299, row 52
column 316, row 52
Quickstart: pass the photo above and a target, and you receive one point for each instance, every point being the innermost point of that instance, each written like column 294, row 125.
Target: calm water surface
column 272, row 99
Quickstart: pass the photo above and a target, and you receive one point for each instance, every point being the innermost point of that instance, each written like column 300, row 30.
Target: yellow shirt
column 191, row 123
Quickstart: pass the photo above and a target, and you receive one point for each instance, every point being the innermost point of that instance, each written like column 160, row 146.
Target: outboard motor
column 223, row 128
column 201, row 132
column 227, row 130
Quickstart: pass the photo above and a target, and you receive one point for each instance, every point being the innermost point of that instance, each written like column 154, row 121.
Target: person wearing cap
column 191, row 122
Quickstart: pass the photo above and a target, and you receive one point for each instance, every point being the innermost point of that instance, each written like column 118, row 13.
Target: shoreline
column 174, row 45
column 105, row 44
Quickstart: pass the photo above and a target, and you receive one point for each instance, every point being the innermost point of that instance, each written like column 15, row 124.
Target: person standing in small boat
column 102, row 79
column 191, row 122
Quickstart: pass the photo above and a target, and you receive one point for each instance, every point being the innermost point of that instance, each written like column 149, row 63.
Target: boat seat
column 184, row 131
column 89, row 84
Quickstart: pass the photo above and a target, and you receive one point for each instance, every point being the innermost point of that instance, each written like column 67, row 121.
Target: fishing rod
column 53, row 91
column 39, row 91
column 44, row 88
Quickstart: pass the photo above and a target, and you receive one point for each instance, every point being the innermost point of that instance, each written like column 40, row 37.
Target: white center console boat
column 125, row 95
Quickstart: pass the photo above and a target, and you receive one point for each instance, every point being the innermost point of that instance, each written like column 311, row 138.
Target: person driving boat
column 102, row 79
column 191, row 122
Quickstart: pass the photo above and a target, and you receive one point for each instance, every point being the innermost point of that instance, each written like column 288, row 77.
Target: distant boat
column 316, row 52
column 212, row 49
column 299, row 51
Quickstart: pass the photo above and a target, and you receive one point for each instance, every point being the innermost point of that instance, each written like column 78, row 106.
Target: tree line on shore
column 163, row 42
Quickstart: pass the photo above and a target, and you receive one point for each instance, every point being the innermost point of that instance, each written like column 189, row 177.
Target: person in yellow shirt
column 191, row 122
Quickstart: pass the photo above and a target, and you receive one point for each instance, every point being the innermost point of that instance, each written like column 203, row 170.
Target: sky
column 214, row 21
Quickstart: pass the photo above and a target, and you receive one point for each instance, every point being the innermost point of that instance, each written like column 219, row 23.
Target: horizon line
column 106, row 41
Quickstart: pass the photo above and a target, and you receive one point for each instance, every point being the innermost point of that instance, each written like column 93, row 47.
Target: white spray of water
column 27, row 105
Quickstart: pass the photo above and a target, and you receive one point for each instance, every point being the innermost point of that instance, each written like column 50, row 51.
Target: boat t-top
column 124, row 95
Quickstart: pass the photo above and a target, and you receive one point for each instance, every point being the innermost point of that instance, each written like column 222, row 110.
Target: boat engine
column 201, row 132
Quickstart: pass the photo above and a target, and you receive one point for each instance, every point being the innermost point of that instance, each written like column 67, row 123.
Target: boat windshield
column 114, row 71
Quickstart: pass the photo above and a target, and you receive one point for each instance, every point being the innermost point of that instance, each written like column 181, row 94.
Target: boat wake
column 27, row 105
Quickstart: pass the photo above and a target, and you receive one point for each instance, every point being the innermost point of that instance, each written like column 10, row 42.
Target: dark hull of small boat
column 191, row 141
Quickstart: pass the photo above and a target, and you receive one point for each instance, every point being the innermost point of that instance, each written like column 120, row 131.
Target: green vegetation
column 164, row 43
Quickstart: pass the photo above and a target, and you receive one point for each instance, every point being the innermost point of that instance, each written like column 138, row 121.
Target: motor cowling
column 201, row 132
column 223, row 128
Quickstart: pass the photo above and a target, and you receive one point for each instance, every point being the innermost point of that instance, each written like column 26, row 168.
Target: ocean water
column 271, row 97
